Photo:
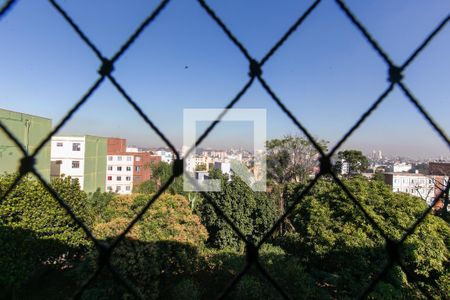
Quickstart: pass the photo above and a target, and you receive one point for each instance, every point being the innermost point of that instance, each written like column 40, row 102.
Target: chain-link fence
column 395, row 73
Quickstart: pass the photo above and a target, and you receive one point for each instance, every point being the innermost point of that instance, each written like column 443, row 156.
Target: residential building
column 127, row 166
column 82, row 158
column 401, row 167
column 30, row 130
column 423, row 186
column 345, row 167
column 119, row 174
column 142, row 166
column 224, row 167
column 166, row 156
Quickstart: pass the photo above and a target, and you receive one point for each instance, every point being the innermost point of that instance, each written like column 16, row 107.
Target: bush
column 35, row 229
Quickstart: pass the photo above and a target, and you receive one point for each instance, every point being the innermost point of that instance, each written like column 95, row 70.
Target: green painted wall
column 95, row 164
column 30, row 131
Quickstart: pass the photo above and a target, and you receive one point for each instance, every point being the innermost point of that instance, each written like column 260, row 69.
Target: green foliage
column 378, row 177
column 344, row 249
column 147, row 187
column 163, row 244
column 252, row 212
column 161, row 173
column 357, row 162
column 200, row 167
column 96, row 204
column 35, row 229
column 291, row 159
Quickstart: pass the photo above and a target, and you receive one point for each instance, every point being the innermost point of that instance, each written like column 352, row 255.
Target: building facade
column 127, row 166
column 119, row 174
column 166, row 156
column 419, row 185
column 82, row 158
column 30, row 131
column 401, row 167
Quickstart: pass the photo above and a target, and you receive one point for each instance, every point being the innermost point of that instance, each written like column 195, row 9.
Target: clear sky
column 326, row 73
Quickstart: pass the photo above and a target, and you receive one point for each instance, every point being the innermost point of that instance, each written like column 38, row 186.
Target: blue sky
column 326, row 73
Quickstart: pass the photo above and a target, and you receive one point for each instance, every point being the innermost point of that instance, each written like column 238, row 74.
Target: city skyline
column 326, row 73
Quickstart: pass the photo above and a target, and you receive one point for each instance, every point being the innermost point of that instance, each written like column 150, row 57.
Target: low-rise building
column 401, row 167
column 166, row 156
column 419, row 185
column 82, row 158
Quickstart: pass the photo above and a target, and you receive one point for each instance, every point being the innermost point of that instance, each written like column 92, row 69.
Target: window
column 127, row 188
column 75, row 164
column 119, row 168
column 138, row 169
column 109, row 177
column 118, row 188
column 110, row 168
column 128, row 178
column 128, row 158
column 119, row 178
column 59, row 144
column 110, row 158
column 138, row 158
column 119, row 158
column 128, row 168
column 76, row 147
column 110, row 188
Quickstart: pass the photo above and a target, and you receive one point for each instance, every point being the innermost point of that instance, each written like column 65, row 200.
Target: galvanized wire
column 395, row 78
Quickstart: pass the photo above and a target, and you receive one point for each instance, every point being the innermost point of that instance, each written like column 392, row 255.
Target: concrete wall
column 30, row 131
column 95, row 163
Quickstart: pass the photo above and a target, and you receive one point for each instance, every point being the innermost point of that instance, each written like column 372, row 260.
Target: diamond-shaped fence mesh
column 395, row 79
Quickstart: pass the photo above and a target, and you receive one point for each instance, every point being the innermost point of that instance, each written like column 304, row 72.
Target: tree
column 161, row 173
column 342, row 248
column 164, row 243
column 35, row 229
column 355, row 160
column 291, row 159
column 252, row 212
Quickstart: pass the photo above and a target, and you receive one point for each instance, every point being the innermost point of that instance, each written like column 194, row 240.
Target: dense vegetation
column 182, row 249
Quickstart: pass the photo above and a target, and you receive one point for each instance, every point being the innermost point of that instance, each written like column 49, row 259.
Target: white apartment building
column 166, row 156
column 401, row 167
column 224, row 167
column 418, row 185
column 119, row 174
column 82, row 158
column 345, row 167
column 67, row 156
column 193, row 162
